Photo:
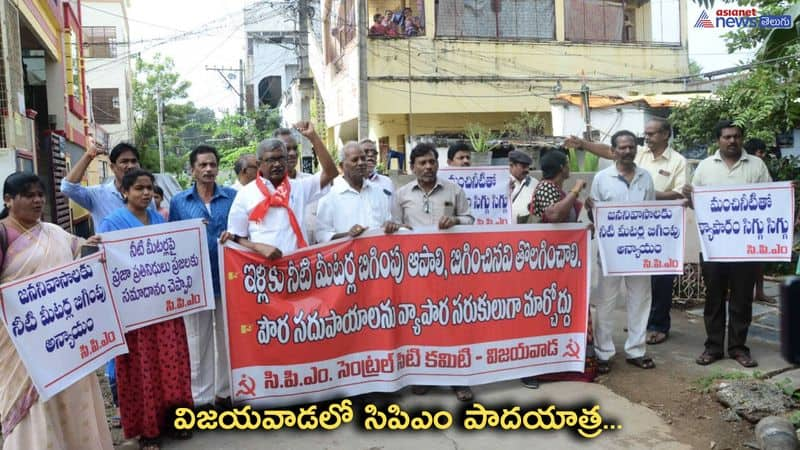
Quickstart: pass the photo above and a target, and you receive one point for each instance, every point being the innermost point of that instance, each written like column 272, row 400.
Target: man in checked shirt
column 429, row 202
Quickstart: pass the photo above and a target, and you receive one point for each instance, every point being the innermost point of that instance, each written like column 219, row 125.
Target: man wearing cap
column 521, row 185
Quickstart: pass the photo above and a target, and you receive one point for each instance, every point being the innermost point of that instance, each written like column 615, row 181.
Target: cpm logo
column 703, row 21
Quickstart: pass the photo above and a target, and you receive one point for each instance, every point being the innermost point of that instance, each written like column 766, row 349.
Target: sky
column 221, row 43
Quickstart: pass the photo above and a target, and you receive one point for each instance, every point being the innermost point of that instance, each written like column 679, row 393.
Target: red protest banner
column 379, row 312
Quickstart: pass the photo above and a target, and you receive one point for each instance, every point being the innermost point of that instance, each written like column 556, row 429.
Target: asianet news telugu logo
column 741, row 18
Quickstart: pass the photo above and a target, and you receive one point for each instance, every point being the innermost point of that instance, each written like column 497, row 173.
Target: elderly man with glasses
column 267, row 214
column 371, row 152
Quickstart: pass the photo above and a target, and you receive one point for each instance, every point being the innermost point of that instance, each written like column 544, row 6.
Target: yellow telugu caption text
column 588, row 423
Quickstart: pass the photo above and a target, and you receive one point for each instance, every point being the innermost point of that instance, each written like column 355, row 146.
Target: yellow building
column 43, row 119
column 485, row 60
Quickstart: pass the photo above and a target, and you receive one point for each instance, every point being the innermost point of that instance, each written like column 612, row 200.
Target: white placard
column 63, row 323
column 159, row 272
column 644, row 238
column 487, row 190
column 753, row 222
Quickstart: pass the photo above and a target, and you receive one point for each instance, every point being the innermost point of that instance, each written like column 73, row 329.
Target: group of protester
column 396, row 24
column 271, row 210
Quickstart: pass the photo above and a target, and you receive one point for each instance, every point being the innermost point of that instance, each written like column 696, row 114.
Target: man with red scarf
column 267, row 214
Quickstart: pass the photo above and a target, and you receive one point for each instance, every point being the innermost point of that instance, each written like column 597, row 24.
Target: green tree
column 694, row 67
column 235, row 134
column 153, row 79
column 763, row 100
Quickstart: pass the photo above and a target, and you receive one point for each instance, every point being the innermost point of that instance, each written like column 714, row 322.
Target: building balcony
column 654, row 22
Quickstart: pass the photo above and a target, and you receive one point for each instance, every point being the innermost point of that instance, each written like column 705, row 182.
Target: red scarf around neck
column 279, row 198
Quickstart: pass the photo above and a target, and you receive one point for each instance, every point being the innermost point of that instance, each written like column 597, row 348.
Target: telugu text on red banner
column 380, row 312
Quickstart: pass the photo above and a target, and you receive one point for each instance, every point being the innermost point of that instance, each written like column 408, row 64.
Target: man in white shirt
column 729, row 285
column 310, row 217
column 668, row 170
column 246, row 170
column 267, row 214
column 522, row 185
column 371, row 152
column 353, row 204
column 288, row 138
column 622, row 182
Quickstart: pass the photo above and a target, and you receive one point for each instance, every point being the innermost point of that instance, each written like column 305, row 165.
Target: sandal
column 642, row 362
column 707, row 358
column 463, row 393
column 149, row 443
column 745, row 359
column 603, row 367
column 656, row 337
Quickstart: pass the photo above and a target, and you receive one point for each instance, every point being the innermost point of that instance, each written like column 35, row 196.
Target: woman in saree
column 550, row 204
column 154, row 376
column 75, row 417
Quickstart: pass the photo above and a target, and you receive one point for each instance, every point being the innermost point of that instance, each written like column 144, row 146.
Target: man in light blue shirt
column 102, row 199
column 622, row 182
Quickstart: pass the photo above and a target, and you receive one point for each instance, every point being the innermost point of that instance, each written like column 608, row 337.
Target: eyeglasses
column 274, row 160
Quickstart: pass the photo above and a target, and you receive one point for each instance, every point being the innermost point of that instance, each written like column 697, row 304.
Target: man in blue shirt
column 103, row 199
column 206, row 330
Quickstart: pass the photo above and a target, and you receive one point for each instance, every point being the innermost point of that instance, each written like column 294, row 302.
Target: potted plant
column 527, row 127
column 479, row 137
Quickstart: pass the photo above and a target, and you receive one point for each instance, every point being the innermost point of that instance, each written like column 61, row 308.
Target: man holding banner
column 668, row 170
column 733, row 281
column 623, row 182
column 205, row 329
column 267, row 214
column 354, row 204
column 430, row 201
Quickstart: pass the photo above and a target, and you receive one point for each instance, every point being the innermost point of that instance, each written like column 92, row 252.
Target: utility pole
column 410, row 109
column 240, row 71
column 241, row 87
column 363, row 100
column 160, row 119
column 305, row 83
column 587, row 134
